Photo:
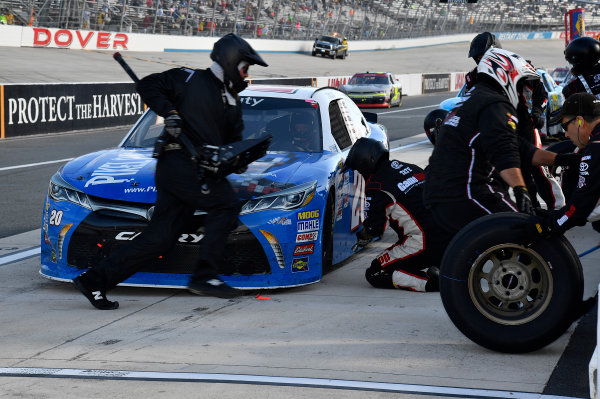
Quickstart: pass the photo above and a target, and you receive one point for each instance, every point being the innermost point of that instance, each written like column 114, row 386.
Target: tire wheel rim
column 510, row 284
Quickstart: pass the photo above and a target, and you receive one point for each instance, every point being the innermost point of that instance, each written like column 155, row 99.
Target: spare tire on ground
column 506, row 291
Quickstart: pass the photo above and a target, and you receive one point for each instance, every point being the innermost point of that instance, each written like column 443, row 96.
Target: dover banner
column 51, row 108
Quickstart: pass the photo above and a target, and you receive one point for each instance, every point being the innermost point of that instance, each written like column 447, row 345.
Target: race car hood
column 128, row 174
column 365, row 88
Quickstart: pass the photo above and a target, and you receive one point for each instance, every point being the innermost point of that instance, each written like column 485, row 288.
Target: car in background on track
column 553, row 106
column 330, row 46
column 300, row 207
column 561, row 75
column 374, row 89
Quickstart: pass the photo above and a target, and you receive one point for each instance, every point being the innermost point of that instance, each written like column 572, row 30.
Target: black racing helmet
column 433, row 121
column 229, row 51
column 582, row 53
column 482, row 43
column 365, row 154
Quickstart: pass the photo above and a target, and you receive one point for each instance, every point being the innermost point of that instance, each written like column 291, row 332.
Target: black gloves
column 538, row 120
column 362, row 240
column 173, row 125
column 523, row 200
column 571, row 159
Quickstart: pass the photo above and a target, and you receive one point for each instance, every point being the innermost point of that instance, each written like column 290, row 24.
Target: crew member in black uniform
column 394, row 192
column 530, row 113
column 583, row 54
column 580, row 118
column 478, row 154
column 203, row 105
column 479, row 45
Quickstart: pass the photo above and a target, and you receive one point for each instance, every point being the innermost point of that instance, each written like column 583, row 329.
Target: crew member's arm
column 500, row 143
column 375, row 223
column 584, row 198
column 160, row 91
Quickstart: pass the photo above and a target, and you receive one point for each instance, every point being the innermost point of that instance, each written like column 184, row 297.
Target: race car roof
column 291, row 92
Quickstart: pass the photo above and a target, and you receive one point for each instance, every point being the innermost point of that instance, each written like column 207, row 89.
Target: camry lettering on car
column 308, row 225
column 184, row 238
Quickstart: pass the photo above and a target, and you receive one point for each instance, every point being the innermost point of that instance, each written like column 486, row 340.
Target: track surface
column 338, row 329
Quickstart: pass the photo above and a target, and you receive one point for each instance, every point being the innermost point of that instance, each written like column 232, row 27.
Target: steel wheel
column 510, row 284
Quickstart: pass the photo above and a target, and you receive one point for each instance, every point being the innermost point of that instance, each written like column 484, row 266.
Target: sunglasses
column 565, row 125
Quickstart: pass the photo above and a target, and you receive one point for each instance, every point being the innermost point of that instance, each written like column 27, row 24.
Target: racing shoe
column 433, row 279
column 95, row 295
column 213, row 287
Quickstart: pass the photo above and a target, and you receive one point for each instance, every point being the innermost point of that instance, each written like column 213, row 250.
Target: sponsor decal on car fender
column 308, row 215
column 304, row 249
column 308, row 225
column 306, row 237
column 300, row 265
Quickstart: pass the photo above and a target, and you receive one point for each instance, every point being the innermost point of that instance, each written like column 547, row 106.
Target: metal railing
column 294, row 19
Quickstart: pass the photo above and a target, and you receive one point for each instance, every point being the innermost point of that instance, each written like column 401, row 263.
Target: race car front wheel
column 506, row 292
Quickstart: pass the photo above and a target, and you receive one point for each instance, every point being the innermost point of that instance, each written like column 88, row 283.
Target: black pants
column 179, row 194
column 453, row 216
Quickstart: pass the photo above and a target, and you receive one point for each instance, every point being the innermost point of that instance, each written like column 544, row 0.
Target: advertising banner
column 435, row 83
column 50, row 108
column 574, row 24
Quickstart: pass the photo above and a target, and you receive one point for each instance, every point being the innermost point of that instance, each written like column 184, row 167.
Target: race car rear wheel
column 327, row 239
column 506, row 292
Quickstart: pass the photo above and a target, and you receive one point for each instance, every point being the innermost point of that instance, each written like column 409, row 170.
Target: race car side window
column 354, row 119
column 338, row 126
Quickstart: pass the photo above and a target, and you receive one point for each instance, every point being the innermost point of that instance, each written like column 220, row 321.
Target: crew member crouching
column 394, row 195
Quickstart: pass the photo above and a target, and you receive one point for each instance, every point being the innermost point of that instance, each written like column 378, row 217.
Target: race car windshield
column 294, row 124
column 369, row 80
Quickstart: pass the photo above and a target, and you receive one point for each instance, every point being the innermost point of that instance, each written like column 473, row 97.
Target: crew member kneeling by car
column 204, row 106
column 394, row 194
column 580, row 118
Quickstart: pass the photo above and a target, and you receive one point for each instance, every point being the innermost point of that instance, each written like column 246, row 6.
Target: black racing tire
column 314, row 54
column 505, row 292
column 568, row 178
column 327, row 235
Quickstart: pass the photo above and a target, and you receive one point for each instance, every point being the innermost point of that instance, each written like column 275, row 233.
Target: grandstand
column 296, row 19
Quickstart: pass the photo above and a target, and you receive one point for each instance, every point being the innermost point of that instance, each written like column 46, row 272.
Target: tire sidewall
column 459, row 257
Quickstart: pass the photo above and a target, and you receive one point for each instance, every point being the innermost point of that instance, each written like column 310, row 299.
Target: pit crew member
column 580, row 118
column 394, row 194
column 478, row 154
column 583, row 55
column 202, row 105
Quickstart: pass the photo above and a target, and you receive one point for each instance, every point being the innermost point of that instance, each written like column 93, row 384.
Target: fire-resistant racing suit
column 395, row 195
column 587, row 82
column 208, row 117
column 580, row 206
column 476, row 142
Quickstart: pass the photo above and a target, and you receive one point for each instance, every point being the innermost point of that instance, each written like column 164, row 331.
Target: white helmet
column 507, row 68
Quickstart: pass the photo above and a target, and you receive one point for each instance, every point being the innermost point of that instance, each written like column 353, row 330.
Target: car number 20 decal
column 55, row 217
column 358, row 201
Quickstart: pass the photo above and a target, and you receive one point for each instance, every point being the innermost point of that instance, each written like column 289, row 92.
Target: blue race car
column 299, row 207
column 553, row 106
